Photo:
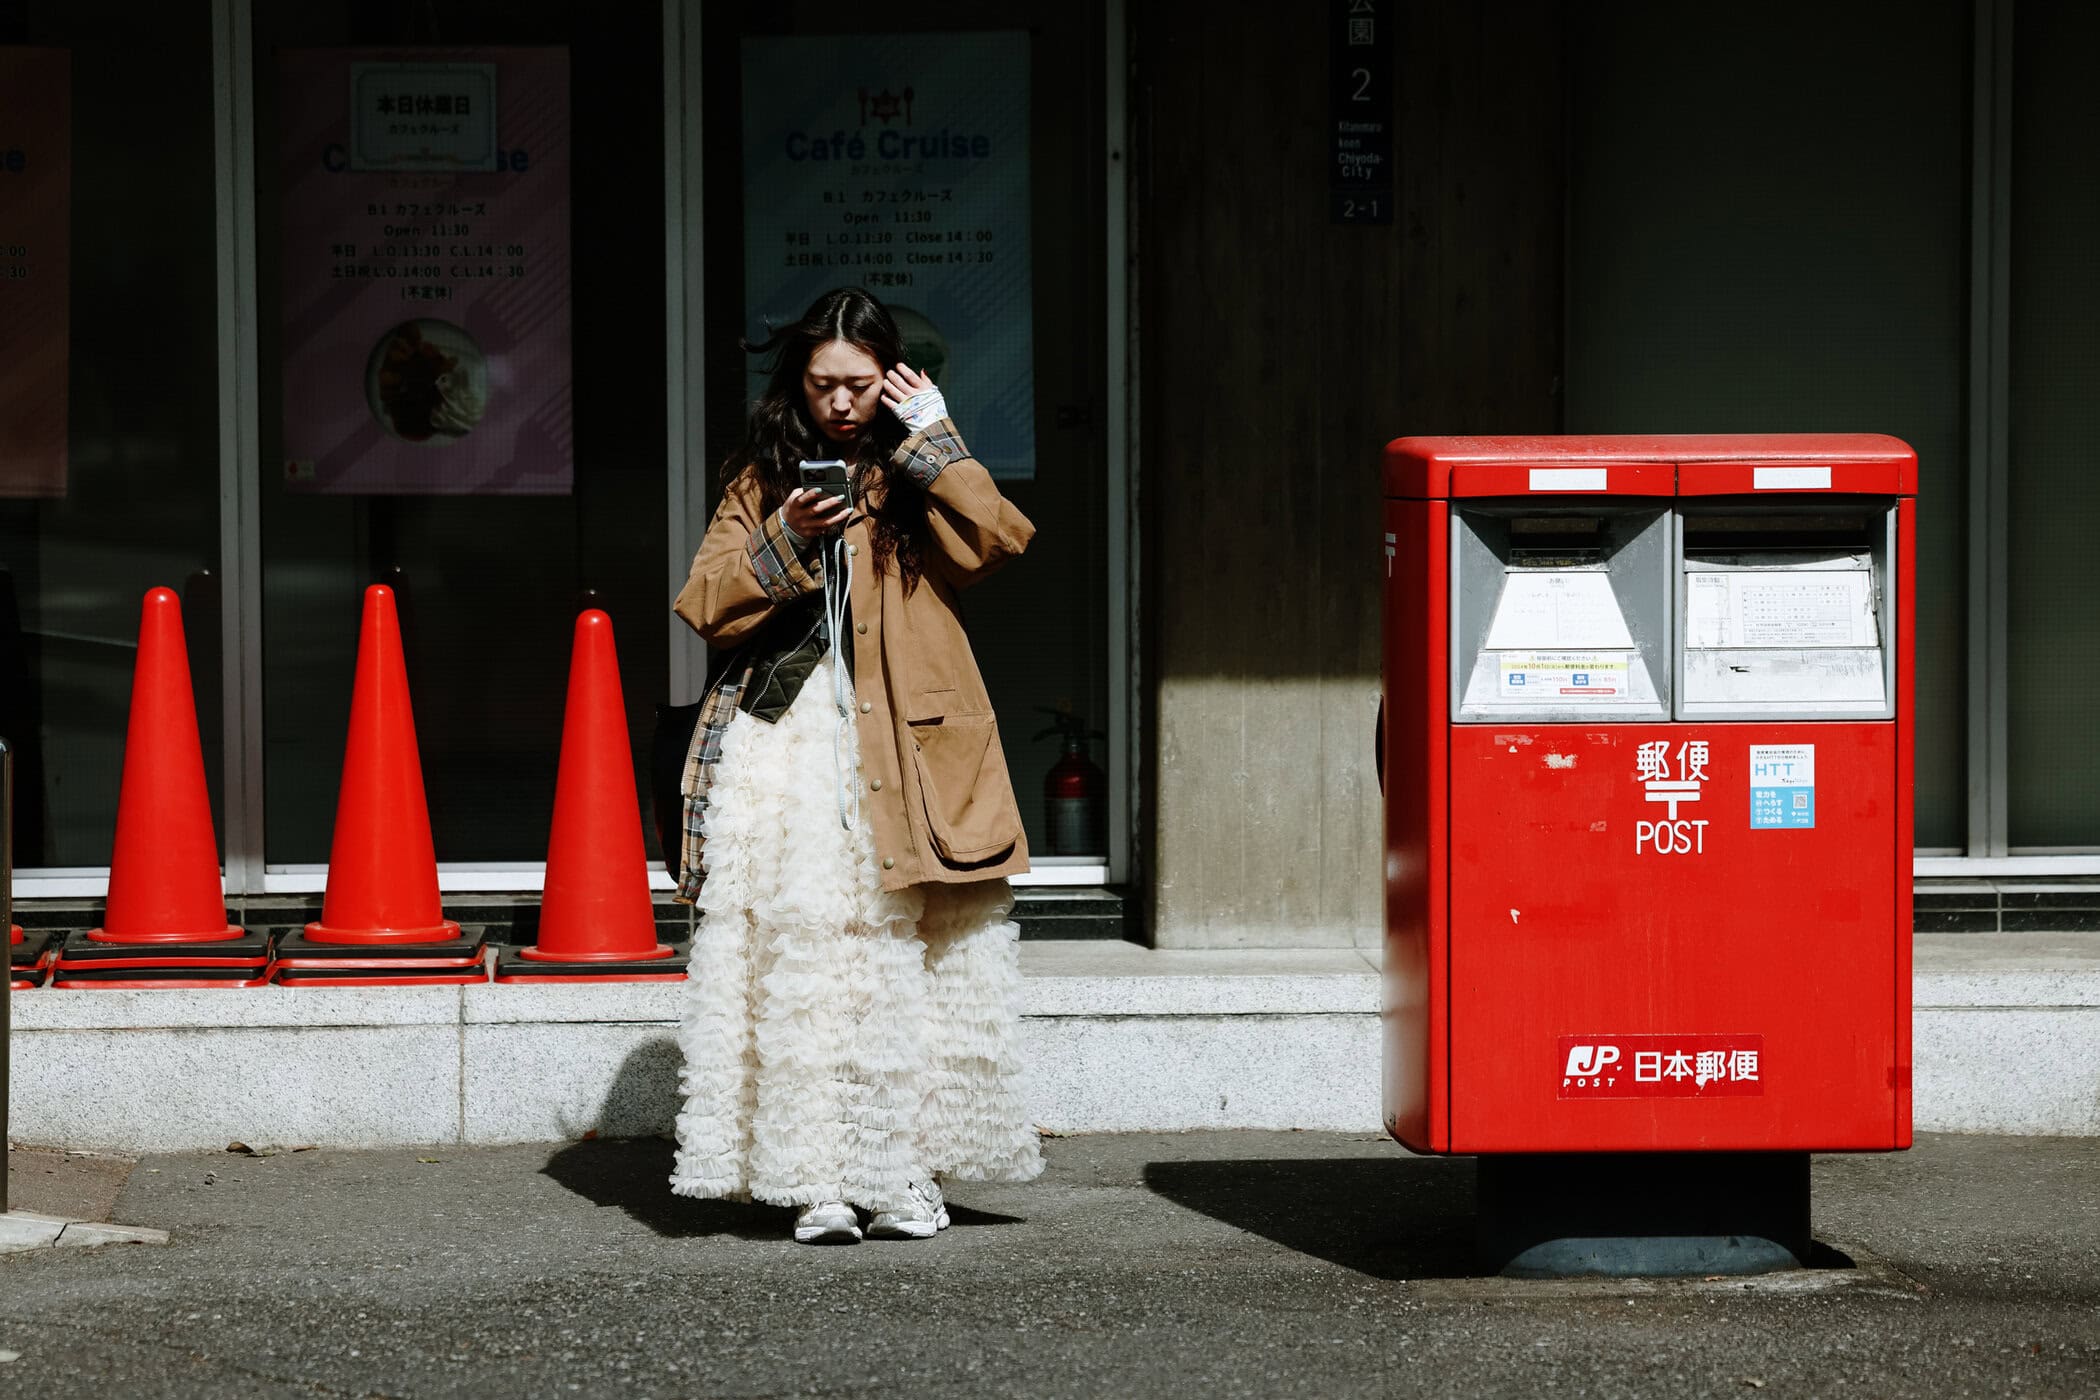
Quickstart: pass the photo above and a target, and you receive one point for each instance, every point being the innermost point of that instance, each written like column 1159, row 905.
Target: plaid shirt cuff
column 926, row 454
column 778, row 564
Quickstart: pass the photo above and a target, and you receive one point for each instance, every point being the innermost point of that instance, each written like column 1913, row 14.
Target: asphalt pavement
column 1203, row 1265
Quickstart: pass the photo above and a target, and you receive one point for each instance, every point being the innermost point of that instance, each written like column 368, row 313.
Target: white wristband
column 923, row 409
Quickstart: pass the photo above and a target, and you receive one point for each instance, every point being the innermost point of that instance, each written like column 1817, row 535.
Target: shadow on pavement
column 1395, row 1219
column 634, row 1174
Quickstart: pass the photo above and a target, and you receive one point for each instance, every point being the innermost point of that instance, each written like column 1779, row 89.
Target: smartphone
column 830, row 477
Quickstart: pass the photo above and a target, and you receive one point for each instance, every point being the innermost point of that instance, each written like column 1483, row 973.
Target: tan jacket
column 935, row 790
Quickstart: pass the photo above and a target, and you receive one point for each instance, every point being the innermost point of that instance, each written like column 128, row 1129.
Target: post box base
column 1645, row 1214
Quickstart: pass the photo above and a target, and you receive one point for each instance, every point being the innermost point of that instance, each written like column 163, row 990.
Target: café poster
column 899, row 163
column 426, row 271
column 36, row 180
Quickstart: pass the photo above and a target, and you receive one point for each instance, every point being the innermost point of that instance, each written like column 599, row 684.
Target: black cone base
column 512, row 967
column 29, row 960
column 381, row 976
column 107, row 978
column 302, row 962
column 30, row 951
column 82, row 958
column 296, row 949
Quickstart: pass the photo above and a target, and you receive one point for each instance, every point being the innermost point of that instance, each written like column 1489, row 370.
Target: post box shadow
column 1391, row 1219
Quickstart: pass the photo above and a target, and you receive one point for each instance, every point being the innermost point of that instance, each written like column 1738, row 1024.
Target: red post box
column 1648, row 794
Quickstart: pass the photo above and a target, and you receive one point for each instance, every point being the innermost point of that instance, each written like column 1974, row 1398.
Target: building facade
column 1127, row 228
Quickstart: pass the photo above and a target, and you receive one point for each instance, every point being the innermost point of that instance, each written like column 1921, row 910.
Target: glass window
column 1039, row 628
column 426, row 422
column 1768, row 221
column 2054, row 646
column 130, row 499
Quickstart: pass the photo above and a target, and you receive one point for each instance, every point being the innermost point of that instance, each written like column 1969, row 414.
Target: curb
column 22, row 1230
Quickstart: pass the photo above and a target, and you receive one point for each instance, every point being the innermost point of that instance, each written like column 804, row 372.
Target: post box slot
column 1560, row 613
column 1785, row 614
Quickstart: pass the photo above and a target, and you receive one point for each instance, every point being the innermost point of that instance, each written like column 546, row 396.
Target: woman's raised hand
column 913, row 398
column 811, row 514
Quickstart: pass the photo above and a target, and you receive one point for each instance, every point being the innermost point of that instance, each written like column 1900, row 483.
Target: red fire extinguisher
column 1075, row 790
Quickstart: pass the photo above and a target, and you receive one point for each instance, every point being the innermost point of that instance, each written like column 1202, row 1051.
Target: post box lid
column 1439, row 468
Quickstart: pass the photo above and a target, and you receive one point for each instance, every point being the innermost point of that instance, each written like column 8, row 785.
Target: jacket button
column 861, row 627
column 852, row 549
column 888, row 863
column 865, row 707
column 875, row 785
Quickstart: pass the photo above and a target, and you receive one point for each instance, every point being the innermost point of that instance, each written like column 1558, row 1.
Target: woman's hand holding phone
column 812, row 514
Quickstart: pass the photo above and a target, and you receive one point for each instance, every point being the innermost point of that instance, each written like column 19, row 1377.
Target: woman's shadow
column 633, row 1174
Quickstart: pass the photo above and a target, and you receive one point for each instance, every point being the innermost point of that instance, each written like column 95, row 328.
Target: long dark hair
column 779, row 436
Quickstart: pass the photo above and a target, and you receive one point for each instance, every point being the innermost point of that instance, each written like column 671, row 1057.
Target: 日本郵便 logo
column 1586, row 1062
column 1660, row 1066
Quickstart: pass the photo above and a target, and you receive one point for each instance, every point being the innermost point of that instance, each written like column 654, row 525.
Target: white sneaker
column 827, row 1222
column 925, row 1217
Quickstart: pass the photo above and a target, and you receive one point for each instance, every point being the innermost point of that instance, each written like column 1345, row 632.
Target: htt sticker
column 1782, row 787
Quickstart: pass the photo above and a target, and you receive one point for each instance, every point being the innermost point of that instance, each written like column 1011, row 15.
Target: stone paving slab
column 27, row 1229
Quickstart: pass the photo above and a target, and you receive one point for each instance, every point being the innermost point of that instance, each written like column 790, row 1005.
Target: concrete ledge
column 232, row 1008
column 2005, row 970
column 1083, row 979
column 527, row 1003
column 165, row 1090
column 2006, row 1070
column 1175, row 1073
column 1116, row 1037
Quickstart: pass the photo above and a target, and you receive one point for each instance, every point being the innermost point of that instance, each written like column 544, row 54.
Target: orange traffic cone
column 596, row 908
column 382, row 870
column 25, row 965
column 164, row 873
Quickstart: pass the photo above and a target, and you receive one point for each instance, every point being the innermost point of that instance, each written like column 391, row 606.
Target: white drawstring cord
column 838, row 594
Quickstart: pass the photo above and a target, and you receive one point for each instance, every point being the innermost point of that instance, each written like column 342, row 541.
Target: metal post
column 7, row 918
column 240, row 450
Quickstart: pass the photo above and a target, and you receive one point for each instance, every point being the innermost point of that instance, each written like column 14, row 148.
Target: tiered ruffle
column 840, row 1041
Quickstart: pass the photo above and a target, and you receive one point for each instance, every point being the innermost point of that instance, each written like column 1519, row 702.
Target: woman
column 850, row 1033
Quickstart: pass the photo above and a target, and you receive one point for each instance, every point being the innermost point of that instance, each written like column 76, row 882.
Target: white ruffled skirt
column 840, row 1041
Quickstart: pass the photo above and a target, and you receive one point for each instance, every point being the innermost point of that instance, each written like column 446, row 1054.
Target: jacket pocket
column 970, row 808
column 928, row 706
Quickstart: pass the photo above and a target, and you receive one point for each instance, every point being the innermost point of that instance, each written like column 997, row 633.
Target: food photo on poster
column 427, row 271
column 427, row 381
